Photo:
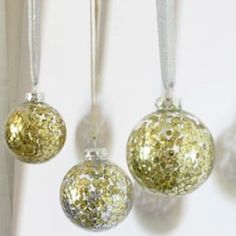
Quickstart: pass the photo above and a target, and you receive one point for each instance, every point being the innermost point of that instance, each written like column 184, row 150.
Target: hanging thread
column 34, row 41
column 94, row 27
column 166, row 20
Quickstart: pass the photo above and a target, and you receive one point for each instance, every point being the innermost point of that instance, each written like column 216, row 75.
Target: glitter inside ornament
column 170, row 152
column 35, row 132
column 96, row 195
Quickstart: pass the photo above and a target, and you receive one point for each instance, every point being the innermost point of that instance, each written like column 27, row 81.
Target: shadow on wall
column 226, row 161
column 14, row 18
column 6, row 163
column 19, row 81
column 86, row 127
column 85, row 130
column 155, row 213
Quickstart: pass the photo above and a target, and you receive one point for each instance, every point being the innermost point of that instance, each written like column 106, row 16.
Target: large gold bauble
column 170, row 152
column 96, row 195
column 35, row 132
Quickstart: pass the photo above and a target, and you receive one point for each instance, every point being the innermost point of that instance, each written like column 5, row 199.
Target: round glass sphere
column 35, row 132
column 170, row 152
column 96, row 195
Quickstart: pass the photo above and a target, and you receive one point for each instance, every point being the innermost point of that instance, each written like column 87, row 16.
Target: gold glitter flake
column 35, row 132
column 170, row 152
column 96, row 195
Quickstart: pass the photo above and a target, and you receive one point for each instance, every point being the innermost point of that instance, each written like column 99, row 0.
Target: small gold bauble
column 35, row 132
column 96, row 195
column 170, row 152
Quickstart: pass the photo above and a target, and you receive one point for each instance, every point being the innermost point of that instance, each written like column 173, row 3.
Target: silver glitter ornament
column 96, row 194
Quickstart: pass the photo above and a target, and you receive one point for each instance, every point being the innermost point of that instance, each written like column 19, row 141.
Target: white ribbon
column 34, row 41
column 94, row 26
column 166, row 18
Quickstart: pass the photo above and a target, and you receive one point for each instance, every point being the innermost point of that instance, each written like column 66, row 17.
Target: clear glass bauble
column 96, row 195
column 170, row 152
column 34, row 131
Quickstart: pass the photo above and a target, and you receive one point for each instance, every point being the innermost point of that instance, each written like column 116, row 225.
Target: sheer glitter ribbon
column 166, row 18
column 34, row 41
column 94, row 26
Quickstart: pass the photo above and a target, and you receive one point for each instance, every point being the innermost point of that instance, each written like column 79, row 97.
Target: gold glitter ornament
column 170, row 152
column 96, row 194
column 35, row 132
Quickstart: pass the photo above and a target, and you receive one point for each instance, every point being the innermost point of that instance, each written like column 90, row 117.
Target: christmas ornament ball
column 170, row 152
column 96, row 195
column 35, row 132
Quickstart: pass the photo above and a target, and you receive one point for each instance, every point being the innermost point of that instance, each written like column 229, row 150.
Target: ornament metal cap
column 168, row 103
column 34, row 97
column 96, row 153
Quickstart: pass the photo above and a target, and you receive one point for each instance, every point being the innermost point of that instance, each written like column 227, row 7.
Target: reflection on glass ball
column 35, row 132
column 96, row 195
column 170, row 152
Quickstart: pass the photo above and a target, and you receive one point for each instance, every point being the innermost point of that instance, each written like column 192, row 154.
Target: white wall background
column 206, row 82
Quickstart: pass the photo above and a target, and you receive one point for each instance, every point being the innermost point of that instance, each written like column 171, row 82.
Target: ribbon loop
column 34, row 40
column 166, row 18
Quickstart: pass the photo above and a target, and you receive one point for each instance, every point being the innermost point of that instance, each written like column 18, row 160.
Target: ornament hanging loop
column 94, row 27
column 34, row 41
column 166, row 21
